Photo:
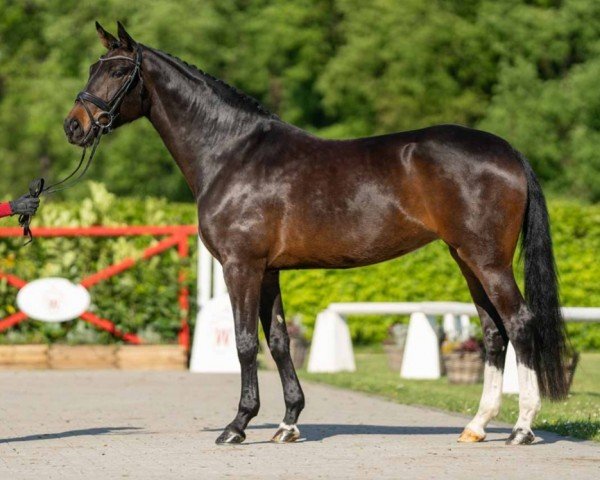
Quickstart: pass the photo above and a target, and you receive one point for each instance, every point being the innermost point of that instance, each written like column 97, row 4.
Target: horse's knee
column 247, row 347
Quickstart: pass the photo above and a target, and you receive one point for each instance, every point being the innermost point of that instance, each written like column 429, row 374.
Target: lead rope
column 36, row 187
column 52, row 188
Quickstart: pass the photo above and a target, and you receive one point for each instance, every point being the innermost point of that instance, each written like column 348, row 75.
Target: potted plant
column 463, row 361
column 394, row 345
column 298, row 345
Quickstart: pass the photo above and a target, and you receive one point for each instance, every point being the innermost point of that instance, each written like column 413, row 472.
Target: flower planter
column 463, row 367
column 298, row 349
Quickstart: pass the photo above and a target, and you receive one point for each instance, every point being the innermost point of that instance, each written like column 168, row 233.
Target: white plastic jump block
column 421, row 351
column 510, row 381
column 451, row 325
column 214, row 349
column 457, row 327
column 331, row 349
column 465, row 327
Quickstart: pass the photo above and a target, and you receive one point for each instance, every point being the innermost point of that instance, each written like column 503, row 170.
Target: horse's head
column 114, row 92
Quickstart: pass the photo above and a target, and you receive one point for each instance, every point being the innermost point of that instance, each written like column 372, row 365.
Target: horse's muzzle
column 76, row 132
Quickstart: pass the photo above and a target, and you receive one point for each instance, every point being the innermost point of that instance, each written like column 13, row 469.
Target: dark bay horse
column 272, row 197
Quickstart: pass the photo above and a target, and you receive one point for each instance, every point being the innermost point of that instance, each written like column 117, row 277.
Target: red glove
column 5, row 209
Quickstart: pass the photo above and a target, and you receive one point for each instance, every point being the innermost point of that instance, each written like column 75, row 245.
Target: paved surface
column 88, row 425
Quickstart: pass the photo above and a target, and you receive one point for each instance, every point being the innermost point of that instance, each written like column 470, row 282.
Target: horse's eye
column 117, row 74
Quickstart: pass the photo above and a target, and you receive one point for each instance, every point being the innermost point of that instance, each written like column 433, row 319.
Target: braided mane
column 226, row 92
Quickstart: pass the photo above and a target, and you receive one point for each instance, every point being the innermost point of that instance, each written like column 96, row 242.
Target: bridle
column 100, row 125
column 109, row 109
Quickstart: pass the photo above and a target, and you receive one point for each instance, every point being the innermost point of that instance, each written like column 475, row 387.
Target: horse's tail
column 541, row 293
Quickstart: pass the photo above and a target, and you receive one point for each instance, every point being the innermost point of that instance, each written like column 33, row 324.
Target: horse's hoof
column 231, row 436
column 520, row 436
column 469, row 436
column 286, row 434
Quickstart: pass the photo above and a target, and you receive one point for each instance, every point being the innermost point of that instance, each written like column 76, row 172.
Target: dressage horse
column 272, row 197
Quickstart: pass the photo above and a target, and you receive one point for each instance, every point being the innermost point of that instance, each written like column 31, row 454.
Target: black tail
column 541, row 293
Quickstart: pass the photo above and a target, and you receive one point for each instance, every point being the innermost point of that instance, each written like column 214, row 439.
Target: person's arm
column 5, row 209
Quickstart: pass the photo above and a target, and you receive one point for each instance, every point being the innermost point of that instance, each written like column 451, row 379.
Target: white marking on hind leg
column 529, row 397
column 491, row 398
column 289, row 428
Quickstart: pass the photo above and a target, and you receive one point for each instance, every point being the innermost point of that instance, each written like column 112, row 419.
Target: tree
column 524, row 69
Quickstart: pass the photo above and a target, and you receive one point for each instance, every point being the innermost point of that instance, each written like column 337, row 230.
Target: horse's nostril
column 74, row 126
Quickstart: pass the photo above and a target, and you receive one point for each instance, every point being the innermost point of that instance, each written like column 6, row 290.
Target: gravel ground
column 162, row 425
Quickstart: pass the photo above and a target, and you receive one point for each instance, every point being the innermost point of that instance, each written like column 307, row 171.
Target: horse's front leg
column 243, row 281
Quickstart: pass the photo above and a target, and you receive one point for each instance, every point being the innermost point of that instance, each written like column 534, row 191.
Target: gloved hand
column 25, row 205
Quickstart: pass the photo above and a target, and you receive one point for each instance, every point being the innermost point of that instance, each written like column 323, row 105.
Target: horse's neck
column 196, row 125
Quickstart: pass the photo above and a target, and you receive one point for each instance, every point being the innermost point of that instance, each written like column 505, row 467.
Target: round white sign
column 53, row 300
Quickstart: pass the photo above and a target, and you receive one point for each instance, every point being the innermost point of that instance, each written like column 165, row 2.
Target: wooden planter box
column 93, row 357
column 82, row 357
column 151, row 357
column 23, row 357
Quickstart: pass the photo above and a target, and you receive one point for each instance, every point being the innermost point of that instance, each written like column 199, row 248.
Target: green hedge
column 144, row 300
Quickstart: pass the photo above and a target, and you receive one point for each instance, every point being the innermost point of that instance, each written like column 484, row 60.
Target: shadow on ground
column 316, row 432
column 73, row 433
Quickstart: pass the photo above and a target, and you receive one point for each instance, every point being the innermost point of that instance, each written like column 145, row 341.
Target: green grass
column 578, row 416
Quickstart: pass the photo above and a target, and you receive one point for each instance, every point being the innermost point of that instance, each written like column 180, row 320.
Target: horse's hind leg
column 273, row 322
column 495, row 342
column 501, row 288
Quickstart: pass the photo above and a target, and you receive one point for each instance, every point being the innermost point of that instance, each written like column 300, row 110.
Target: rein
column 100, row 125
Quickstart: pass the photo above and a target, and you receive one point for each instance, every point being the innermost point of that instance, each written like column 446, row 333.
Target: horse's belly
column 347, row 241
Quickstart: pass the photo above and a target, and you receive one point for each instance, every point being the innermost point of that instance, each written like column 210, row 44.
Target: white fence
column 579, row 314
column 331, row 349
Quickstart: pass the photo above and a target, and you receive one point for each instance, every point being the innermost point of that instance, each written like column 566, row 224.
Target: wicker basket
column 395, row 354
column 463, row 367
column 467, row 367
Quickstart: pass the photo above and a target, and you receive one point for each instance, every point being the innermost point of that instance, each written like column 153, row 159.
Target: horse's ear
column 106, row 38
column 126, row 40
